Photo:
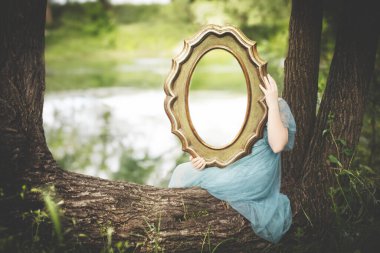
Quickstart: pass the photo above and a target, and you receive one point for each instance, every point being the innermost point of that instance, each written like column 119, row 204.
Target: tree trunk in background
column 49, row 14
column 106, row 4
column 301, row 80
column 345, row 97
column 180, row 220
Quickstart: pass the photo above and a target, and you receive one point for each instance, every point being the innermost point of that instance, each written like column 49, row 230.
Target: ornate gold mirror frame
column 177, row 87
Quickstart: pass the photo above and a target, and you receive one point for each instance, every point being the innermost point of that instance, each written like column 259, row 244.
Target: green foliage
column 86, row 19
column 369, row 148
column 42, row 230
column 207, row 237
column 134, row 169
column 152, row 233
column 354, row 204
column 129, row 32
column 259, row 12
column 53, row 211
column 132, row 13
column 68, row 148
column 354, row 200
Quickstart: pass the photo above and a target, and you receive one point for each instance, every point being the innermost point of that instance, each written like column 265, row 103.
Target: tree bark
column 22, row 85
column 301, row 79
column 177, row 220
column 345, row 98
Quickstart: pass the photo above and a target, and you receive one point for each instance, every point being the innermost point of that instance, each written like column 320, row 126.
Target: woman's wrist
column 273, row 105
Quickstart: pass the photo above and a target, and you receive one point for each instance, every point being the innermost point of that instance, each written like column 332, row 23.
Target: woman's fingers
column 262, row 88
column 199, row 162
column 193, row 160
column 266, row 83
column 203, row 165
column 272, row 82
column 270, row 92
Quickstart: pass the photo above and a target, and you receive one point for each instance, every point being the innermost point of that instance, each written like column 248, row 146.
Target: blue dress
column 251, row 185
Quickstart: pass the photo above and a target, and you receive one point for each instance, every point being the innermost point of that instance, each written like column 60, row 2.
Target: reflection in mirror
column 217, row 98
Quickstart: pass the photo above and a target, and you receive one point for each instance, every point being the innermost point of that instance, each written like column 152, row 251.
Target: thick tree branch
column 301, row 79
column 181, row 218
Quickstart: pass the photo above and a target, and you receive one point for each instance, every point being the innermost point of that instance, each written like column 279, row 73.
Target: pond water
column 123, row 117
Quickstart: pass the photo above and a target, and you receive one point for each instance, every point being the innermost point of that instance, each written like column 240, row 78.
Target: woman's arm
column 277, row 133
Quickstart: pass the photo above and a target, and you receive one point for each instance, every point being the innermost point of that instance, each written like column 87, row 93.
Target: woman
column 251, row 185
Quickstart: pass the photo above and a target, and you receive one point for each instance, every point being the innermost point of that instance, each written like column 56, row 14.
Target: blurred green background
column 91, row 45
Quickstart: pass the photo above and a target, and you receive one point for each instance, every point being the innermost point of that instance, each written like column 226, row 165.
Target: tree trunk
column 301, row 79
column 22, row 85
column 345, row 98
column 49, row 14
column 177, row 220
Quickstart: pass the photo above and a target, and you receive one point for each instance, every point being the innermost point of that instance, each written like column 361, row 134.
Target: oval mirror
column 216, row 58
column 217, row 98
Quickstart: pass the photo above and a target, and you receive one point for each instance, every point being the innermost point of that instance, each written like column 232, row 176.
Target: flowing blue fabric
column 251, row 185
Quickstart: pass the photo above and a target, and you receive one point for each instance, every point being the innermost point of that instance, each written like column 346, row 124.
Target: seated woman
column 251, row 185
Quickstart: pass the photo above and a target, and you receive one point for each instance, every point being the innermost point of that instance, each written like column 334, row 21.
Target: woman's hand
column 270, row 91
column 198, row 162
column 277, row 133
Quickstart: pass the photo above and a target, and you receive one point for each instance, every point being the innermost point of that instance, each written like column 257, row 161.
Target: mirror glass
column 217, row 98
